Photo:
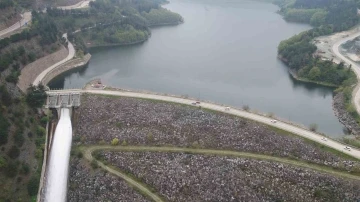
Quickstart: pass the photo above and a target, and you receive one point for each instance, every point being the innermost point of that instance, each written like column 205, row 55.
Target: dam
column 56, row 174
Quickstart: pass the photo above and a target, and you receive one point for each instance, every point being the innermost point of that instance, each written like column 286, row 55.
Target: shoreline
column 135, row 42
column 167, row 24
column 293, row 75
column 117, row 44
column 344, row 117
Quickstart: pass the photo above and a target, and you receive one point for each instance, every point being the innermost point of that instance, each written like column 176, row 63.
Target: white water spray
column 56, row 183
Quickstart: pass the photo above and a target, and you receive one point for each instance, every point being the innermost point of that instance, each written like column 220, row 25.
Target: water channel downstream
column 226, row 51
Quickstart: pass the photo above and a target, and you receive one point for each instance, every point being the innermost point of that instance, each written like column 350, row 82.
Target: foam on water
column 56, row 181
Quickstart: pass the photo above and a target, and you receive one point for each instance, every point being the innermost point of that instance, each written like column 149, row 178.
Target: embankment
column 71, row 64
column 32, row 70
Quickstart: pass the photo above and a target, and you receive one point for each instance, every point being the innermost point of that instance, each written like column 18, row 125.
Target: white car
column 347, row 148
column 324, row 139
column 273, row 121
column 227, row 108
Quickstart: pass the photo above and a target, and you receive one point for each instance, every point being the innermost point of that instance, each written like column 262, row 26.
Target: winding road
column 88, row 150
column 71, row 54
column 26, row 17
column 88, row 155
column 355, row 67
column 248, row 115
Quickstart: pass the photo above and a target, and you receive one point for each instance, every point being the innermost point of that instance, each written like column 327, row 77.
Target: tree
column 5, row 96
column 4, row 129
column 318, row 18
column 246, row 107
column 33, row 186
column 115, row 142
column 14, row 152
column 36, row 96
column 314, row 73
column 3, row 162
column 11, row 169
column 313, row 127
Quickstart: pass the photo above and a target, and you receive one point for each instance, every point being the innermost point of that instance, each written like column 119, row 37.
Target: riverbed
column 226, row 51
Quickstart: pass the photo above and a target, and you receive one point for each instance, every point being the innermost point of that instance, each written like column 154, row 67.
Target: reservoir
column 226, row 52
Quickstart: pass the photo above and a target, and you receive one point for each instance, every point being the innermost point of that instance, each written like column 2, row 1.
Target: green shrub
column 246, row 107
column 115, row 142
column 19, row 138
column 41, row 131
column 25, row 169
column 119, row 125
column 79, row 155
column 4, row 127
column 14, row 152
column 33, row 186
column 94, row 164
column 11, row 169
column 313, row 127
column 3, row 162
column 44, row 120
column 36, row 96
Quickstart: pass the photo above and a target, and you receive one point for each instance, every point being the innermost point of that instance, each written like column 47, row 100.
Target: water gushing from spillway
column 56, row 181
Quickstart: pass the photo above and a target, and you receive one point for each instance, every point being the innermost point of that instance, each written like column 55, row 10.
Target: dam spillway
column 58, row 167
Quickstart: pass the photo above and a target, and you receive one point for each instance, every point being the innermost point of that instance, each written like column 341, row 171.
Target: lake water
column 226, row 51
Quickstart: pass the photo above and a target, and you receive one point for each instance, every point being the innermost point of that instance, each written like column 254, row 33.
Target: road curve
column 355, row 67
column 71, row 54
column 255, row 117
column 88, row 155
column 26, row 17
column 81, row 4
column 89, row 149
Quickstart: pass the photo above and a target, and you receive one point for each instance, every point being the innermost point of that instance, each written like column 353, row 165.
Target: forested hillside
column 114, row 22
column 328, row 17
column 22, row 126
column 9, row 13
column 340, row 14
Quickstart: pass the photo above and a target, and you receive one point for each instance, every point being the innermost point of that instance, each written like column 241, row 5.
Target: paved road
column 81, row 4
column 89, row 149
column 26, row 17
column 255, row 117
column 355, row 67
column 88, row 155
column 71, row 54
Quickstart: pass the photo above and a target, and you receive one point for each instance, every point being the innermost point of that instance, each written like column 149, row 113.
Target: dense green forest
column 109, row 22
column 115, row 34
column 161, row 16
column 327, row 17
column 339, row 14
column 22, row 138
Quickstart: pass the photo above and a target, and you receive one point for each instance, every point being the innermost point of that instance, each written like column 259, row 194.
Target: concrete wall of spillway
column 58, row 164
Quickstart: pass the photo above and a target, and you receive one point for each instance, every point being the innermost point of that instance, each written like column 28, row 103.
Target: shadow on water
column 59, row 81
column 94, row 50
column 311, row 87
